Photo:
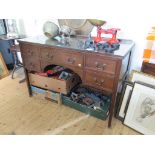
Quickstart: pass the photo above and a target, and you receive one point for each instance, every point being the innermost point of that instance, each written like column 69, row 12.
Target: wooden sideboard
column 99, row 70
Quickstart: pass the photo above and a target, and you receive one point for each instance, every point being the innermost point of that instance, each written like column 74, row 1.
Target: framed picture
column 3, row 69
column 141, row 110
column 124, row 99
column 2, row 27
column 142, row 77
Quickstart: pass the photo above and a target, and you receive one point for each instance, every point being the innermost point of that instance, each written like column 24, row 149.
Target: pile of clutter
column 90, row 98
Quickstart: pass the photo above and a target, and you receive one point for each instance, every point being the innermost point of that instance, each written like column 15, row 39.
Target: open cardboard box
column 46, row 94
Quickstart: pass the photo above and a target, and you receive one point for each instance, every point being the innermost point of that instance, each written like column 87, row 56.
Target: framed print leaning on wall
column 141, row 111
column 142, row 77
column 124, row 100
column 3, row 69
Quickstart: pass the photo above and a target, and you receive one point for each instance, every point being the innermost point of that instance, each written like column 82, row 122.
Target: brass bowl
column 96, row 22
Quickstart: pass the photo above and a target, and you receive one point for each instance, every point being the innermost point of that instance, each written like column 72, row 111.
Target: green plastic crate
column 101, row 114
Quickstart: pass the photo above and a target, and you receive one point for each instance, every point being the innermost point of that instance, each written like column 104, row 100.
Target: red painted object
column 112, row 31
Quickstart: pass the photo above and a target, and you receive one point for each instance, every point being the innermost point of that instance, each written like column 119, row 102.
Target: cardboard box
column 38, row 93
column 60, row 86
column 46, row 94
column 53, row 96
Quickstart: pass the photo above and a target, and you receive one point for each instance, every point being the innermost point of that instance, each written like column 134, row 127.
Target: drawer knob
column 79, row 65
column 71, row 60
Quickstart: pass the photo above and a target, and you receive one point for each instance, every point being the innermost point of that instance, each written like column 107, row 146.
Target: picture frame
column 124, row 99
column 3, row 69
column 142, row 77
column 140, row 115
column 3, row 28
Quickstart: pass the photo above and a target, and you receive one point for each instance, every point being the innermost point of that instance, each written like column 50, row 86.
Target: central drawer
column 100, row 63
column 71, row 59
column 99, row 80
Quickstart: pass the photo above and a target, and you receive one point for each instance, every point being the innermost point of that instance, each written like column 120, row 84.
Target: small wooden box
column 148, row 68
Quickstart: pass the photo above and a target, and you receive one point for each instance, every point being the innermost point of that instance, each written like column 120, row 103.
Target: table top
column 6, row 37
column 77, row 44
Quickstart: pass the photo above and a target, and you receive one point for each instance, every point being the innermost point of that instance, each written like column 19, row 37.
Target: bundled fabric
column 149, row 51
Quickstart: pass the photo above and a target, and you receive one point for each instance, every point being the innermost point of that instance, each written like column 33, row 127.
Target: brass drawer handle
column 98, row 82
column 49, row 56
column 102, row 81
column 30, row 53
column 100, row 66
column 71, row 60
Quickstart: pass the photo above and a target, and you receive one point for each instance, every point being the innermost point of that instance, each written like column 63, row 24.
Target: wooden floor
column 21, row 114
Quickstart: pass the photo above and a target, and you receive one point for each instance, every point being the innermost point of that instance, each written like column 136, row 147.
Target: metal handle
column 71, row 60
column 98, row 82
column 100, row 66
column 49, row 56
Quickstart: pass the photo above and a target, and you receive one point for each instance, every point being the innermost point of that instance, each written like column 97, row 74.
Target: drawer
column 62, row 86
column 100, row 63
column 99, row 80
column 71, row 59
column 47, row 53
column 32, row 65
column 30, row 51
